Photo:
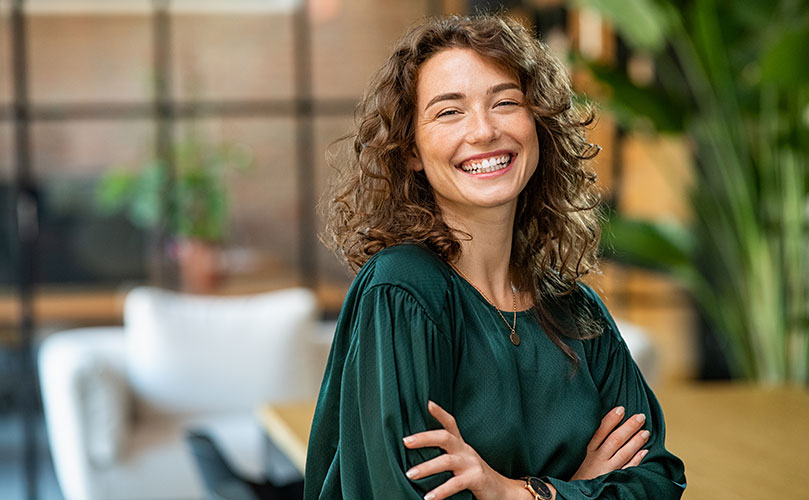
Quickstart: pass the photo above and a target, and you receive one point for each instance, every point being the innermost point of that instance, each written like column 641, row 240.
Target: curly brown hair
column 378, row 201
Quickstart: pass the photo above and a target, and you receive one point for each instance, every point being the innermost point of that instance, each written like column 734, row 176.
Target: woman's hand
column 470, row 471
column 610, row 449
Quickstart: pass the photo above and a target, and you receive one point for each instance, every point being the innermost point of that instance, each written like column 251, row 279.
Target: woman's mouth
column 486, row 165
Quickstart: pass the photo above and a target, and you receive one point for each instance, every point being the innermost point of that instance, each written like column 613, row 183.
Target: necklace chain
column 514, row 336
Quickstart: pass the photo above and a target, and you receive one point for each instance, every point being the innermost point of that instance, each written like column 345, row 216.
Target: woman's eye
column 448, row 112
column 508, row 103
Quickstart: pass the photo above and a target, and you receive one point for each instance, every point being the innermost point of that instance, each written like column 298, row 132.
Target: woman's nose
column 482, row 128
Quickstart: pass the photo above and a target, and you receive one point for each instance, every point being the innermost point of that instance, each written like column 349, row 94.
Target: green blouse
column 412, row 330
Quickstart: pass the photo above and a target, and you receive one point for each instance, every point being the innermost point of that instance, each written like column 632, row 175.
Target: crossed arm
column 610, row 449
column 369, row 403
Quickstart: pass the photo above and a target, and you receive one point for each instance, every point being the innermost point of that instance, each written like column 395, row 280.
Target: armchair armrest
column 86, row 402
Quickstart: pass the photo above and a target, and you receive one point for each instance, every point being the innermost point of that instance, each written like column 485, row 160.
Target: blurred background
column 182, row 145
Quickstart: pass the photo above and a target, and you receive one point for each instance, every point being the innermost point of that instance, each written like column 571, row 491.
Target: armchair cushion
column 67, row 361
column 104, row 403
column 189, row 362
column 196, row 354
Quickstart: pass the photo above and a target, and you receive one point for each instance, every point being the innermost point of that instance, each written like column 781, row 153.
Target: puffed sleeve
column 397, row 357
column 661, row 474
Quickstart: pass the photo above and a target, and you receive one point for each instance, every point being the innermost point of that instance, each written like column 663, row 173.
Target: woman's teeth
column 487, row 165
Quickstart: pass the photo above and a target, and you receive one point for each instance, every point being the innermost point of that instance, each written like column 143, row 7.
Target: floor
column 12, row 477
column 12, row 473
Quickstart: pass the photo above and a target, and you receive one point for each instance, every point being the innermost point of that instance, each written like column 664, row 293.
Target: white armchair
column 118, row 400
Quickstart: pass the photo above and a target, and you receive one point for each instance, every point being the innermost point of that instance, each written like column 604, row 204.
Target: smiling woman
column 468, row 359
column 475, row 137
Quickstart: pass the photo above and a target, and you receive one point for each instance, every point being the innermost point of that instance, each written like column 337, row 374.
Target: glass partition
column 232, row 56
column 89, row 57
column 246, row 74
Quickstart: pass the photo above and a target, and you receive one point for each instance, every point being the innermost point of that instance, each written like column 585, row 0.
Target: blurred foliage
column 197, row 207
column 652, row 245
column 731, row 76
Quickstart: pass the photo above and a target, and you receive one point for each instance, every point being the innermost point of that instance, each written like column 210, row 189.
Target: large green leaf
column 645, row 24
column 784, row 63
column 630, row 101
column 712, row 48
column 659, row 246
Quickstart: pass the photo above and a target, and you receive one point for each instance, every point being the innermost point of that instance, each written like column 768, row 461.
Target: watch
column 538, row 488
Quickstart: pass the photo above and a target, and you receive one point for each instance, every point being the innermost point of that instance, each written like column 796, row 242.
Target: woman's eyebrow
column 502, row 86
column 444, row 97
column 451, row 96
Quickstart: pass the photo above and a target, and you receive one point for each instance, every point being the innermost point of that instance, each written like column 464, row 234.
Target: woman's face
column 475, row 137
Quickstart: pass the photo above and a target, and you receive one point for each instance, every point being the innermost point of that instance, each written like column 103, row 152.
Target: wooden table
column 287, row 425
column 738, row 442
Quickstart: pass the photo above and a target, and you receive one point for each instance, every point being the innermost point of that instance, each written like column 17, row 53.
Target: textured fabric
column 412, row 330
column 189, row 354
column 104, row 405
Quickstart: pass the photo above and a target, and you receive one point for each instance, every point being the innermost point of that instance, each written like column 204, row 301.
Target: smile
column 486, row 165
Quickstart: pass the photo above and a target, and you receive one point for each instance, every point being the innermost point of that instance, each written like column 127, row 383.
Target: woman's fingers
column 452, row 486
column 438, row 464
column 440, row 438
column 469, row 471
column 444, row 418
column 448, row 439
column 613, row 448
column 622, row 434
column 636, row 460
column 608, row 423
column 630, row 450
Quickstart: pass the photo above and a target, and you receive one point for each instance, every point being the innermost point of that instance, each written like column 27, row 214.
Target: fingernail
column 640, row 417
column 407, row 440
column 429, row 496
column 643, row 454
column 412, row 473
column 430, row 404
column 619, row 411
column 644, row 434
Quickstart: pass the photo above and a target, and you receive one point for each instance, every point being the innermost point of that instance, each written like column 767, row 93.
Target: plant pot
column 199, row 265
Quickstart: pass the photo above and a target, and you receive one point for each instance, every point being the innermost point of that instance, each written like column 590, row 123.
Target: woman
column 468, row 358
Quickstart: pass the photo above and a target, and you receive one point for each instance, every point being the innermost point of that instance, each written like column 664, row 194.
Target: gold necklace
column 514, row 337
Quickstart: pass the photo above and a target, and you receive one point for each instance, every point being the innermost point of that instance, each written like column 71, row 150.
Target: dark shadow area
column 223, row 483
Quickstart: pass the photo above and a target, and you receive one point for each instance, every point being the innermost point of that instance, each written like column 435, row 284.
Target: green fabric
column 412, row 330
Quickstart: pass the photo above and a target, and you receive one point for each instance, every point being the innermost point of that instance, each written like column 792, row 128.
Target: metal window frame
column 303, row 107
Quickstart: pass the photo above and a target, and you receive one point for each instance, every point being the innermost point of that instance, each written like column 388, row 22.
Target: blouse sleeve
column 397, row 360
column 661, row 474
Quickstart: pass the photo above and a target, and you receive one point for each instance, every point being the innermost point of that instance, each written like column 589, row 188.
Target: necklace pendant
column 514, row 337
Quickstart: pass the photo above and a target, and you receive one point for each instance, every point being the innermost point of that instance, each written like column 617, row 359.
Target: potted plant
column 731, row 78
column 192, row 210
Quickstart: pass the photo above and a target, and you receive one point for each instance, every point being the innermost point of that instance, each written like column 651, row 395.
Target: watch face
column 539, row 486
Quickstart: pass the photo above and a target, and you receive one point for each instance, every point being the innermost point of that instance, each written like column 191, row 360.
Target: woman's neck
column 485, row 258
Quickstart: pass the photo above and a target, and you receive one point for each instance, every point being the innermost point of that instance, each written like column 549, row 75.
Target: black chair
column 223, row 483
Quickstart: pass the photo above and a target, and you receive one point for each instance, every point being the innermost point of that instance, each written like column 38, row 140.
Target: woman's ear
column 414, row 160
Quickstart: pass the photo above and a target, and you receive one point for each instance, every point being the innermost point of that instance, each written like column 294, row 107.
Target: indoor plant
column 739, row 90
column 188, row 202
